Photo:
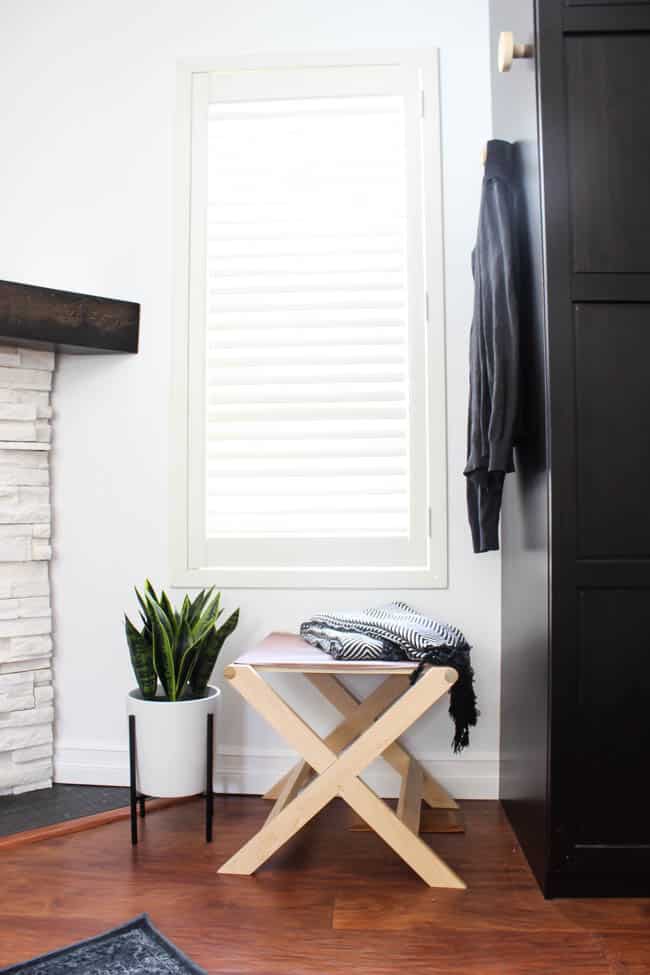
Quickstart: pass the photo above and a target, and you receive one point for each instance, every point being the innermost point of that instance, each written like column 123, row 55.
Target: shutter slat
column 295, row 319
column 368, row 247
column 224, row 310
column 311, row 355
column 298, row 504
column 299, row 232
column 307, row 287
column 326, row 469
column 285, row 486
column 334, row 525
column 366, row 447
column 220, row 431
column 285, row 372
column 236, row 266
column 288, row 279
column 239, row 111
column 273, row 337
column 299, row 394
column 271, row 412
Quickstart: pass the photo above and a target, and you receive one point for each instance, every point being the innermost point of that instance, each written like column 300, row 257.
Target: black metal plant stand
column 138, row 799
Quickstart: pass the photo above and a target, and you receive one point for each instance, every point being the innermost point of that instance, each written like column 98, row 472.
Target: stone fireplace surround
column 26, row 693
column 34, row 322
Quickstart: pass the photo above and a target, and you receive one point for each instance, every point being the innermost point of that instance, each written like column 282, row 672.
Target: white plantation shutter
column 300, row 382
column 309, row 428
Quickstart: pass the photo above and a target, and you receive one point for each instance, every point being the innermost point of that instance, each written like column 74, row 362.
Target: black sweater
column 494, row 350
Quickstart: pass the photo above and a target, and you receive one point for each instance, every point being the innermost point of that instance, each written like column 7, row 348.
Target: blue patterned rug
column 135, row 948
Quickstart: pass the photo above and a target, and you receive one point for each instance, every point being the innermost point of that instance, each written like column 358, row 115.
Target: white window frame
column 431, row 414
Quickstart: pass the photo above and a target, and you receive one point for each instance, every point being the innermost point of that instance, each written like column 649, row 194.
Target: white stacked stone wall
column 26, row 693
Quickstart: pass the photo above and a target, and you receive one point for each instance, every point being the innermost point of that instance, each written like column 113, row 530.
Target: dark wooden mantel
column 70, row 322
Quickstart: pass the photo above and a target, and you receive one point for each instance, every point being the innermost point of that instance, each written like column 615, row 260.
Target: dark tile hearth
column 45, row 807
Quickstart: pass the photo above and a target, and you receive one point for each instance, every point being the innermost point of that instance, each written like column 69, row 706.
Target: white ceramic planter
column 171, row 743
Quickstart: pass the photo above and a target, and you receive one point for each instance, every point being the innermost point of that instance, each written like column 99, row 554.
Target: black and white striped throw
column 395, row 631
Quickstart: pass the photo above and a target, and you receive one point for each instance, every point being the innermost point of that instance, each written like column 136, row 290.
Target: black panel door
column 600, row 389
column 575, row 730
column 594, row 69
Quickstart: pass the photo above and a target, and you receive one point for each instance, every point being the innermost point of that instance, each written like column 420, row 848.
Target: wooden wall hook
column 509, row 49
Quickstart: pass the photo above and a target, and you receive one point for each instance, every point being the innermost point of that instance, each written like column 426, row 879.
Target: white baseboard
column 248, row 771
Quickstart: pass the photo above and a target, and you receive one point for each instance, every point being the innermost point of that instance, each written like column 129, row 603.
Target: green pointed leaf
column 212, row 608
column 208, row 658
column 183, row 643
column 202, row 628
column 144, row 613
column 190, row 658
column 163, row 655
column 161, row 616
column 151, row 592
column 196, row 648
column 170, row 612
column 197, row 605
column 141, row 653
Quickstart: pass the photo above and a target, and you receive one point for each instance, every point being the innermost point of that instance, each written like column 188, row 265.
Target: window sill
column 299, row 578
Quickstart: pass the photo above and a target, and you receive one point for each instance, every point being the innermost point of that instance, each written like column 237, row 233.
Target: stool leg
column 142, row 807
column 209, row 794
column 133, row 792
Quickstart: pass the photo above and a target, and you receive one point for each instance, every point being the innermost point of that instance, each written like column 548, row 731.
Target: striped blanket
column 395, row 631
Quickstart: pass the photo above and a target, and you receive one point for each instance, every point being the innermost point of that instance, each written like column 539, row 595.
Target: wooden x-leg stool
column 370, row 729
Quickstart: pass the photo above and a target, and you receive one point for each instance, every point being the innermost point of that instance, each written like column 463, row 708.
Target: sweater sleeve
column 501, row 322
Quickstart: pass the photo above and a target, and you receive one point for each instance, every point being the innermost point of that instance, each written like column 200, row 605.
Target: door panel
column 608, row 77
column 603, row 3
column 612, row 717
column 613, row 436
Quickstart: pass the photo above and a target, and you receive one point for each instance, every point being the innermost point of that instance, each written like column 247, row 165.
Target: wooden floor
column 333, row 901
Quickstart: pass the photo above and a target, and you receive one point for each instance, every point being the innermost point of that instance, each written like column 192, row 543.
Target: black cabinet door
column 595, row 114
column 575, row 728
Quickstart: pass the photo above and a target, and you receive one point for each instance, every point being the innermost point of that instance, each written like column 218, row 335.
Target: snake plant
column 177, row 648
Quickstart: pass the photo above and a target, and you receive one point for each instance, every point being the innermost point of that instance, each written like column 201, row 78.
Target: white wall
column 87, row 94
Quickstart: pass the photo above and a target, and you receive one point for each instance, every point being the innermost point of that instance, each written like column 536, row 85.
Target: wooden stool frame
column 370, row 728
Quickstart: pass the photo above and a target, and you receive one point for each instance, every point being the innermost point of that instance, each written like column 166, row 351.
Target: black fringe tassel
column 462, row 697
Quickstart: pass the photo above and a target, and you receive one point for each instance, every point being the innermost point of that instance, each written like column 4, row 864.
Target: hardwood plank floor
column 333, row 900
